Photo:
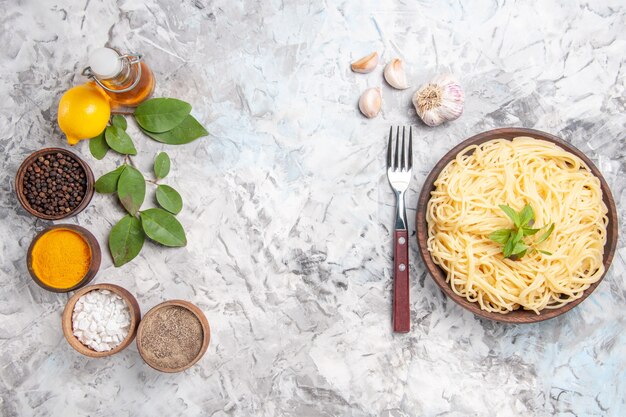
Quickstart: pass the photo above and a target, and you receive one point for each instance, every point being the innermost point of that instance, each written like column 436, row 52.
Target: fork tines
column 402, row 160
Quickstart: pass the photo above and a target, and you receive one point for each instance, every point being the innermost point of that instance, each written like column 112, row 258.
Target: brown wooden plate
column 439, row 275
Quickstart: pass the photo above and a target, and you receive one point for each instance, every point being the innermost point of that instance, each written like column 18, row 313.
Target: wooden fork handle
column 401, row 306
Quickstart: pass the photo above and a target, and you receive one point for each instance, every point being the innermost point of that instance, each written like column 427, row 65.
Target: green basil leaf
column 162, row 227
column 526, row 215
column 98, row 146
column 507, row 251
column 512, row 214
column 169, row 199
column 131, row 189
column 519, row 248
column 126, row 240
column 108, row 182
column 512, row 243
column 119, row 140
column 545, row 252
column 161, row 114
column 529, row 231
column 161, row 165
column 546, row 235
column 187, row 131
column 119, row 121
column 500, row 236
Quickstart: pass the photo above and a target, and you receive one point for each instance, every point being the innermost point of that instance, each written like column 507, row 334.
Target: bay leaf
column 126, row 240
column 108, row 182
column 162, row 227
column 187, row 131
column 162, row 165
column 169, row 199
column 98, row 146
column 131, row 189
column 119, row 140
column 119, row 121
column 161, row 114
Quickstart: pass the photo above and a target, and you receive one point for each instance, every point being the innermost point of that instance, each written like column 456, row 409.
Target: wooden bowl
column 19, row 180
column 439, row 275
column 96, row 256
column 66, row 322
column 199, row 315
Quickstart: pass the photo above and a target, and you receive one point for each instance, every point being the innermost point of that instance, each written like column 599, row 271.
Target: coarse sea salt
column 101, row 320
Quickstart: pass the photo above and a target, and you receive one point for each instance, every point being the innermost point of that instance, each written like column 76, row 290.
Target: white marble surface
column 288, row 210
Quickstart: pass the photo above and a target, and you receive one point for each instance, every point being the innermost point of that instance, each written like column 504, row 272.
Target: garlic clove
column 365, row 64
column 395, row 75
column 439, row 101
column 370, row 102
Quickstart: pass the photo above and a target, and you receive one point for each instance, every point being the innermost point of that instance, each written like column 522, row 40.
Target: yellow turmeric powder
column 61, row 258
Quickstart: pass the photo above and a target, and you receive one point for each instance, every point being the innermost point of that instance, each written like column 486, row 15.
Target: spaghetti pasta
column 463, row 210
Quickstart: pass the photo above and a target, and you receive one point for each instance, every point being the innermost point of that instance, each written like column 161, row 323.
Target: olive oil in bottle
column 126, row 79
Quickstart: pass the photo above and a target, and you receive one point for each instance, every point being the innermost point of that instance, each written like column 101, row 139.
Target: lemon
column 84, row 112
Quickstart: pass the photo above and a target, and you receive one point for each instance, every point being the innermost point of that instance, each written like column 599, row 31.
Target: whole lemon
column 84, row 112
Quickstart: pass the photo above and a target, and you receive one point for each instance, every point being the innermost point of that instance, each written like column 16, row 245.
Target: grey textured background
column 288, row 210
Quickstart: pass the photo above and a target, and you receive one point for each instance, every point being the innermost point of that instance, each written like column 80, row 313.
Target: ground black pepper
column 172, row 337
column 54, row 184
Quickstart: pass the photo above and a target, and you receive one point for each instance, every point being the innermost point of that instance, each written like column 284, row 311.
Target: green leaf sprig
column 166, row 120
column 158, row 224
column 513, row 239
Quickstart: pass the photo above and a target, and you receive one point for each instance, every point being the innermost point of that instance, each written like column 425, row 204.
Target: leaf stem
column 129, row 161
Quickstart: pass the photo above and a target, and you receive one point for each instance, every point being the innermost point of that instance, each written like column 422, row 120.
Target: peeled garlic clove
column 370, row 102
column 395, row 74
column 365, row 64
column 439, row 101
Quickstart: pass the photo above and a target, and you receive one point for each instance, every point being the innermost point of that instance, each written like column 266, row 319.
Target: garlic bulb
column 395, row 74
column 365, row 64
column 370, row 102
column 439, row 101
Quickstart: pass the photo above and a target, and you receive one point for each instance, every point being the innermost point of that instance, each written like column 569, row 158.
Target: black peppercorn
column 53, row 184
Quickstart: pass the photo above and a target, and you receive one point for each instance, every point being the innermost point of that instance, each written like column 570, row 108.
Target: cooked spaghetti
column 464, row 209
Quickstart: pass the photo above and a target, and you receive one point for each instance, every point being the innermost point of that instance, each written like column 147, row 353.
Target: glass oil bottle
column 126, row 79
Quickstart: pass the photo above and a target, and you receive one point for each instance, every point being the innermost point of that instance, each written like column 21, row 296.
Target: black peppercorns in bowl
column 54, row 183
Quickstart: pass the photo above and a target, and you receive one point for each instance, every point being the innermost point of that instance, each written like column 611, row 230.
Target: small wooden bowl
column 439, row 275
column 21, row 172
column 199, row 315
column 135, row 317
column 96, row 256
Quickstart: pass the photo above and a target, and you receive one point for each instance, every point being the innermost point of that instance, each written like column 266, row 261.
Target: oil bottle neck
column 114, row 72
column 124, row 77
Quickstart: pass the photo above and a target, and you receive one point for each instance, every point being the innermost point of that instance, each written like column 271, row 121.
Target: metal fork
column 399, row 166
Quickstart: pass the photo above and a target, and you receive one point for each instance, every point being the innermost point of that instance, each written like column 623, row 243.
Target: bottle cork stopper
column 105, row 63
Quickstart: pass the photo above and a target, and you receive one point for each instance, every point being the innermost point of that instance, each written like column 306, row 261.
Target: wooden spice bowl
column 439, row 275
column 94, row 266
column 66, row 321
column 21, row 172
column 206, row 330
